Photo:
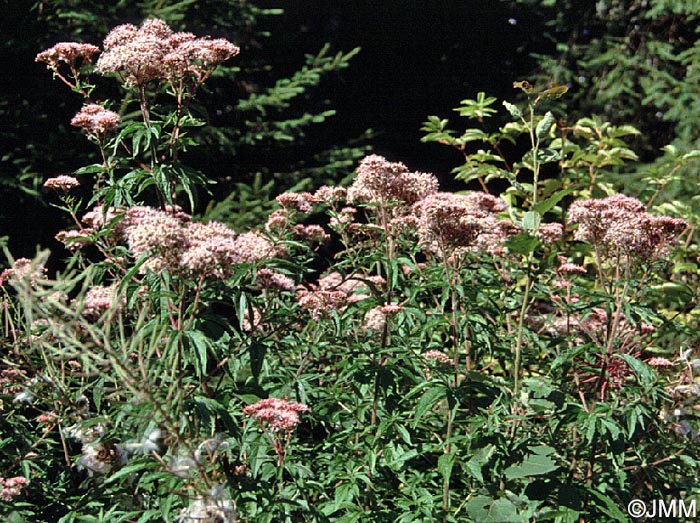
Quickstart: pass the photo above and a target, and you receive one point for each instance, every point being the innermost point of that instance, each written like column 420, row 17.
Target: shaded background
column 418, row 58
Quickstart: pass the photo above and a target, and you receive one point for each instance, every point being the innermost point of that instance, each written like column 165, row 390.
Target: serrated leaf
column 553, row 92
column 609, row 506
column 125, row 471
column 257, row 353
column 547, row 205
column 478, row 460
column 522, row 243
column 445, row 464
column 531, row 220
column 643, row 372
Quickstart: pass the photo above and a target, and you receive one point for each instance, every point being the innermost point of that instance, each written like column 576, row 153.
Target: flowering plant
column 384, row 351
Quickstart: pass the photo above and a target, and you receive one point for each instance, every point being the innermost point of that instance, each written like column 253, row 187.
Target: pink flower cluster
column 99, row 299
column 330, row 195
column 171, row 241
column 594, row 326
column 450, row 222
column 380, row 181
column 269, row 279
column 567, row 267
column 73, row 240
column 12, row 382
column 320, row 302
column 154, row 52
column 62, row 182
column 334, row 291
column 276, row 415
column 621, row 224
column 96, row 120
column 438, row 357
column 11, row 487
column 375, row 318
column 23, row 269
column 301, row 202
column 72, row 53
column 253, row 247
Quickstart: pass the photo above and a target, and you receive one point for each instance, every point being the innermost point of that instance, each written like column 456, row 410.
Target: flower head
column 375, row 318
column 216, row 507
column 381, row 181
column 154, row 52
column 211, row 249
column 269, row 279
column 99, row 299
column 160, row 234
column 62, row 182
column 321, row 303
column 72, row 53
column 102, row 457
column 330, row 195
column 276, row 415
column 620, row 223
column 297, row 201
column 449, row 222
column 96, row 120
column 23, row 270
column 438, row 357
column 252, row 247
column 11, row 487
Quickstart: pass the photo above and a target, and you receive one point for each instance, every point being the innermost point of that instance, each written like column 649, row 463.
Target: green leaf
column 531, row 220
column 127, row 470
column 544, row 125
column 257, row 353
column 201, row 346
column 445, row 464
column 608, row 506
column 535, row 464
column 434, row 393
column 485, row 509
column 546, row 205
column 513, row 109
column 522, row 243
column 644, row 374
column 478, row 460
column 553, row 92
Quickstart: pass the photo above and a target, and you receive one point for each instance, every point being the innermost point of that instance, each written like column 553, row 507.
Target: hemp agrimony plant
column 151, row 62
column 384, row 351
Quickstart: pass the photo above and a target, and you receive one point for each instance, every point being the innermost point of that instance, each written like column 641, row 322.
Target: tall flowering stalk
column 624, row 236
column 278, row 419
column 148, row 60
column 390, row 190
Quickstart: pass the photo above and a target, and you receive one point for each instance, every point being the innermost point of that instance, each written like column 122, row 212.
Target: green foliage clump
column 633, row 62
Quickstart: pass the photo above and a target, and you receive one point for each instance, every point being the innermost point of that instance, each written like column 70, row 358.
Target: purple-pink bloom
column 62, row 182
column 11, row 487
column 96, row 120
column 67, row 52
column 276, row 415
